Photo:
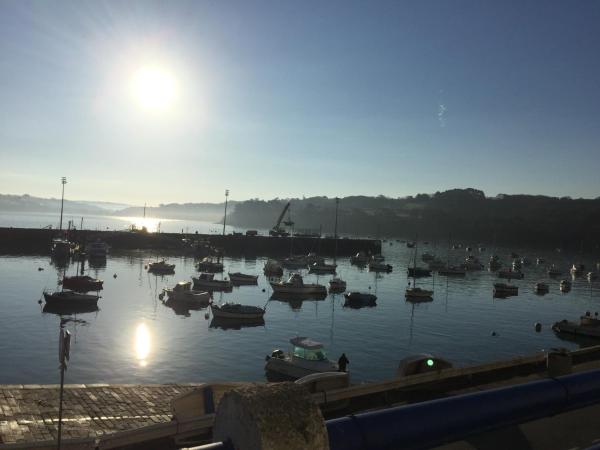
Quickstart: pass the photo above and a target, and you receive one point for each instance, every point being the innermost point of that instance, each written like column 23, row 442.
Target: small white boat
column 273, row 268
column 505, row 290
column 359, row 300
column 238, row 278
column 307, row 357
column 161, row 267
column 577, row 270
column 295, row 285
column 565, row 286
column 207, row 282
column 337, row 285
column 511, row 274
column 182, row 292
column 236, row 311
column 70, row 298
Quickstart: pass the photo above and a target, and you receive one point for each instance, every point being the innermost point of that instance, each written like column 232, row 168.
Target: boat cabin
column 183, row 286
column 296, row 280
column 206, row 276
column 308, row 349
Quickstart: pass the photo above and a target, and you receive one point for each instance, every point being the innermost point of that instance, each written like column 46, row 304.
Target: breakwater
column 38, row 241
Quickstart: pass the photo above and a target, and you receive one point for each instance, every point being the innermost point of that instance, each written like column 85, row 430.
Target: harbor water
column 135, row 338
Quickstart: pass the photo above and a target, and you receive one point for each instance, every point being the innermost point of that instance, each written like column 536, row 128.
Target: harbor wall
column 33, row 240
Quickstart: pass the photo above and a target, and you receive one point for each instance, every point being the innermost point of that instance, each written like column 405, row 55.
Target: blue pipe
column 436, row 422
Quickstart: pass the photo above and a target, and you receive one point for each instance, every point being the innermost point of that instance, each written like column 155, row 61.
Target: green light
column 430, row 362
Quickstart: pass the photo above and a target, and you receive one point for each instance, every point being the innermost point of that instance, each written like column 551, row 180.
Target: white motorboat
column 337, row 285
column 207, row 282
column 295, row 285
column 182, row 292
column 97, row 249
column 307, row 357
column 70, row 298
column 161, row 267
column 273, row 268
column 238, row 278
column 236, row 311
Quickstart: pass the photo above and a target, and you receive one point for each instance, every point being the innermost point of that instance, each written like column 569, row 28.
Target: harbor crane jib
column 278, row 230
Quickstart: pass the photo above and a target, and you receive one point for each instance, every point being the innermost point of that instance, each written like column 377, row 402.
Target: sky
column 159, row 102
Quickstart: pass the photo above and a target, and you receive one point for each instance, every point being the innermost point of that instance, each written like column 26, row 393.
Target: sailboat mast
column 335, row 233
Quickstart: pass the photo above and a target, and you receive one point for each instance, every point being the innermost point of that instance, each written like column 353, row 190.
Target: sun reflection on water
column 142, row 344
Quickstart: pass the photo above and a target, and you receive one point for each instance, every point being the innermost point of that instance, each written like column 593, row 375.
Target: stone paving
column 29, row 413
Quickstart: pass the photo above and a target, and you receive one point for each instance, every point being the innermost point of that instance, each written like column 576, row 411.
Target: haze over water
column 135, row 338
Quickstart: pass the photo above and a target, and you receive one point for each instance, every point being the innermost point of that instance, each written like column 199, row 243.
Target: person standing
column 343, row 362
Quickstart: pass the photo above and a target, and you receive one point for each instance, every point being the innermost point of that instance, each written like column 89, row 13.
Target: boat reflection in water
column 65, row 310
column 182, row 308
column 235, row 324
column 97, row 262
column 295, row 300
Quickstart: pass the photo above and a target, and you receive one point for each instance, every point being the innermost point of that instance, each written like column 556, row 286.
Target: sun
column 154, row 88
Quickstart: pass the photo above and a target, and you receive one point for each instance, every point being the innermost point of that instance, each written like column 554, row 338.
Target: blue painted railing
column 427, row 424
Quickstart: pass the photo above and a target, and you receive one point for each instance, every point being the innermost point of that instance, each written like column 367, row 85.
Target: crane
column 277, row 230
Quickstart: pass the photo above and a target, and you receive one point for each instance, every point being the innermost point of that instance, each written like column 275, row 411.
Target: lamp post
column 62, row 200
column 225, row 217
column 64, row 350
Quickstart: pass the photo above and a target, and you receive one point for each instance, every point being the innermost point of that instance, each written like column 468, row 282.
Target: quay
column 104, row 416
column 38, row 241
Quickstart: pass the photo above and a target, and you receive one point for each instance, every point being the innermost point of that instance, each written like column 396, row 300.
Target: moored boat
column 577, row 270
column 554, row 272
column 504, row 290
column 379, row 266
column 359, row 299
column 418, row 294
column 82, row 283
column 61, row 248
column 588, row 326
column 206, row 281
column 511, row 274
column 238, row 278
column 307, row 357
column 70, row 298
column 272, row 268
column 295, row 285
column 161, row 267
column 360, row 259
column 472, row 263
column 417, row 272
column 452, row 271
column 208, row 264
column 322, row 267
column 182, row 292
column 337, row 285
column 565, row 286
column 236, row 311
column 97, row 249
column 541, row 288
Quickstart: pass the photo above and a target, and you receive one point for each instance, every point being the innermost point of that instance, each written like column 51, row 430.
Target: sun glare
column 142, row 343
column 154, row 88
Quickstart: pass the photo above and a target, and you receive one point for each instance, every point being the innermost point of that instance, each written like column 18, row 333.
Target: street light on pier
column 225, row 217
column 62, row 200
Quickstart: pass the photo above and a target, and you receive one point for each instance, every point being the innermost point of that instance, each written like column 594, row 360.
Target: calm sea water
column 135, row 338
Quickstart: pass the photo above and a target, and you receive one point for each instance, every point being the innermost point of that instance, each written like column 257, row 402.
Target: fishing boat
column 70, row 298
column 511, row 274
column 494, row 263
column 82, row 283
column 337, row 285
column 294, row 262
column 426, row 257
column 307, row 357
column 295, row 285
column 97, row 249
column 206, row 281
column 541, row 288
column 236, row 311
column 565, row 286
column 505, row 290
column 452, row 271
column 208, row 264
column 238, row 278
column 359, row 300
column 161, row 267
column 182, row 292
column 272, row 268
column 588, row 326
